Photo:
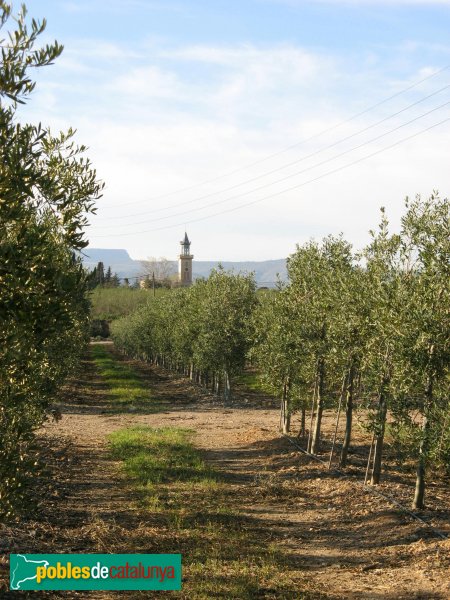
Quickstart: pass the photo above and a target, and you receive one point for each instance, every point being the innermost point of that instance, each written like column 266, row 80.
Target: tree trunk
column 313, row 405
column 285, row 408
column 217, row 390
column 302, row 431
column 379, row 437
column 419, row 495
column 320, row 399
column 338, row 416
column 226, row 387
column 348, row 417
column 369, row 458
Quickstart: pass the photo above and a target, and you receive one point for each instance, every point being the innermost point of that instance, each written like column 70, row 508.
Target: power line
column 280, row 152
column 311, row 167
column 290, row 164
column 294, row 187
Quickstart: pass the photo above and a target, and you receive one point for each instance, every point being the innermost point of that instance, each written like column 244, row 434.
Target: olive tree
column 425, row 353
column 47, row 188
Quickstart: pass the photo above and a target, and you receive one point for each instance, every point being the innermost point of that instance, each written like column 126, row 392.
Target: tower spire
column 185, row 262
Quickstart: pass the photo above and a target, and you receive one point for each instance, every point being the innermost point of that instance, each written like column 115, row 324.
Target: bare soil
column 339, row 540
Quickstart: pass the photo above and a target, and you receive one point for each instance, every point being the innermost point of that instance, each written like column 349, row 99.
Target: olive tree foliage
column 383, row 279
column 47, row 188
column 423, row 383
column 201, row 331
column 222, row 342
column 408, row 352
column 299, row 329
column 276, row 350
column 369, row 331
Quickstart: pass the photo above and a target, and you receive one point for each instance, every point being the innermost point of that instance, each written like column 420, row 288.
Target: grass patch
column 158, row 455
column 253, row 381
column 126, row 387
column 190, row 509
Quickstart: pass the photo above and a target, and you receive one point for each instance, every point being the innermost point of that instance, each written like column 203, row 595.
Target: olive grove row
column 202, row 331
column 369, row 331
column 46, row 189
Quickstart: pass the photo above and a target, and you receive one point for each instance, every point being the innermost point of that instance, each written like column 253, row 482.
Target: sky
column 254, row 125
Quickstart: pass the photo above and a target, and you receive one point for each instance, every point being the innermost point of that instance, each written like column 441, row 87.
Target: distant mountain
column 266, row 271
column 119, row 260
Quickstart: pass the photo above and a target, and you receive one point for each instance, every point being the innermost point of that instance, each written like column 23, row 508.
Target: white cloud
column 92, row 50
column 245, row 55
column 148, row 82
column 230, row 84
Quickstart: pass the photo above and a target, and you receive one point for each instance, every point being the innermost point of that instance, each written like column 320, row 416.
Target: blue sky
column 342, row 26
column 170, row 95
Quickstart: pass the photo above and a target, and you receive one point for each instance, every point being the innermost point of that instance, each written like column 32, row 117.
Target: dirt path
column 339, row 541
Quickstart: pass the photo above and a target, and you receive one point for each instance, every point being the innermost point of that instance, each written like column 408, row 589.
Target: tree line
column 351, row 331
column 156, row 274
column 201, row 331
column 99, row 277
column 47, row 189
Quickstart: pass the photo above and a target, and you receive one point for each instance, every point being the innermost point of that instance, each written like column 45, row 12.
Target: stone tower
column 185, row 263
